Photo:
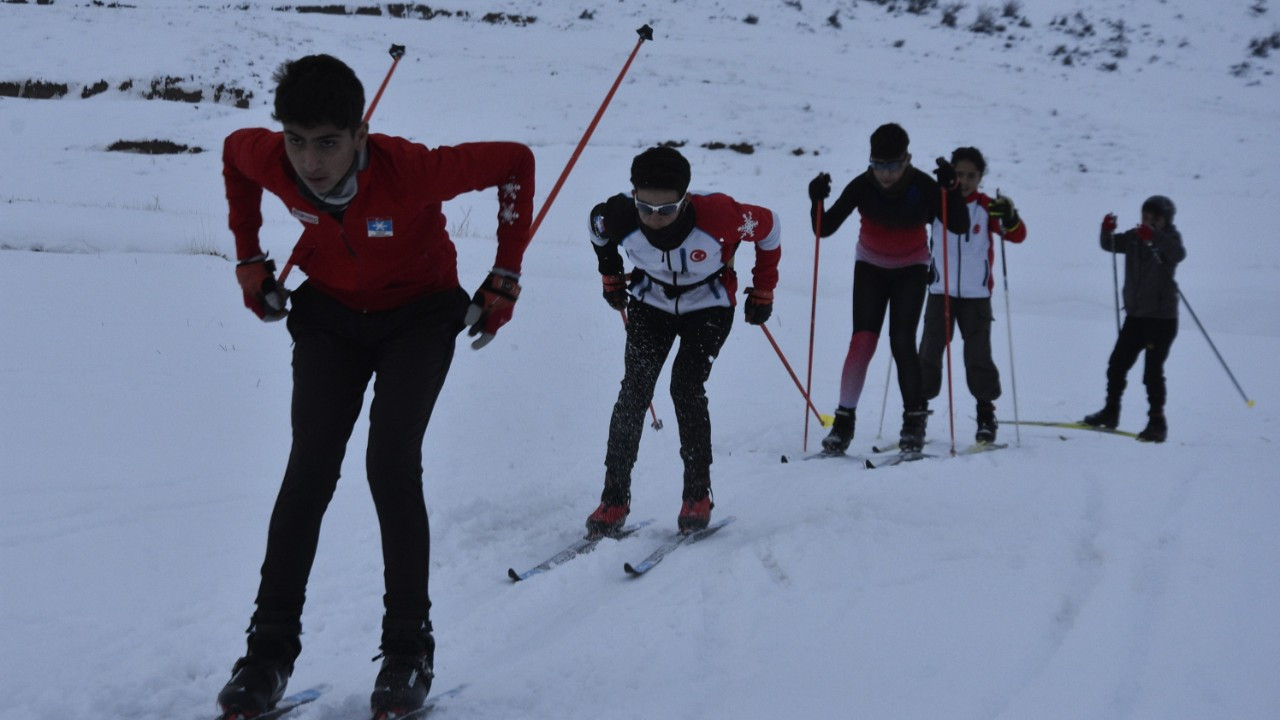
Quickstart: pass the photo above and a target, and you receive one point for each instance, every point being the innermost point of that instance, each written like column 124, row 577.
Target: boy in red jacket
column 381, row 299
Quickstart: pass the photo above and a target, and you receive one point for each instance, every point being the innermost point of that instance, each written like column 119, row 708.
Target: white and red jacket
column 697, row 272
column 971, row 255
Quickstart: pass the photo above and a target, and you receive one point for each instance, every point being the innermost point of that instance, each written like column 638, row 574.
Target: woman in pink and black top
column 897, row 203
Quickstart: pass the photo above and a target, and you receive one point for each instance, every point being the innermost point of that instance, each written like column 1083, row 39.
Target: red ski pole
column 792, row 373
column 397, row 52
column 946, row 312
column 645, row 33
column 813, row 312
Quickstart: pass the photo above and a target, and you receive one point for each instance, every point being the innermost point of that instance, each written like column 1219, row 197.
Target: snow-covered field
column 144, row 412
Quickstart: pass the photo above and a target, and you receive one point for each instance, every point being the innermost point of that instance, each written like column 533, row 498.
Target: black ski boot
column 406, row 673
column 259, row 678
column 1107, row 417
column 986, row 423
column 914, row 422
column 837, row 441
column 1157, row 429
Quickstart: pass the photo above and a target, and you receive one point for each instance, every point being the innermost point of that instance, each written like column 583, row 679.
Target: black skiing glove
column 615, row 291
column 1002, row 207
column 492, row 305
column 758, row 307
column 946, row 174
column 820, row 187
column 262, row 294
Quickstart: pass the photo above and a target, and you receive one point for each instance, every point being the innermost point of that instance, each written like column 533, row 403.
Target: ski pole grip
column 397, row 51
column 645, row 32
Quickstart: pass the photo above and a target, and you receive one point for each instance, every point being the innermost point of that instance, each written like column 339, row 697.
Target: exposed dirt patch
column 171, row 88
column 36, row 89
column 742, row 147
column 152, row 147
column 411, row 11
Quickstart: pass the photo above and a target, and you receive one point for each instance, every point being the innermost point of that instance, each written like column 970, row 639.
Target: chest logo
column 304, row 216
column 977, row 228
column 379, row 227
column 698, row 255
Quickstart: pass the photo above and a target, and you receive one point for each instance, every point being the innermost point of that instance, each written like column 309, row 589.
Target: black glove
column 615, row 291
column 758, row 307
column 820, row 187
column 262, row 294
column 1002, row 207
column 946, row 174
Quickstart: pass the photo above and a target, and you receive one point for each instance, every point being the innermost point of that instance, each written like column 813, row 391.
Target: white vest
column 969, row 256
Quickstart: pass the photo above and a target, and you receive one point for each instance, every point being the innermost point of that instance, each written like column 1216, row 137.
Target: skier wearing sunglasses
column 681, row 246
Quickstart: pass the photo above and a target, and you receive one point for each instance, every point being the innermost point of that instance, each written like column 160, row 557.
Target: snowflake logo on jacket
column 748, row 227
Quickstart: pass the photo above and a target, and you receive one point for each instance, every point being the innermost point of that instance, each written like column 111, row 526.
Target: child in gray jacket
column 1152, row 252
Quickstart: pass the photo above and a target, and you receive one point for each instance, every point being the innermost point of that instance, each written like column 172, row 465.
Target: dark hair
column 318, row 90
column 1160, row 206
column 973, row 155
column 660, row 168
column 889, row 142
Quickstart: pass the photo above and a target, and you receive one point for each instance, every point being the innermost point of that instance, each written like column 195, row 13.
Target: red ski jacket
column 390, row 245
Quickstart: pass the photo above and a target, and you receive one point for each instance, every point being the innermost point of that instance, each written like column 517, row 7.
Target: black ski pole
column 1008, row 317
column 1183, row 298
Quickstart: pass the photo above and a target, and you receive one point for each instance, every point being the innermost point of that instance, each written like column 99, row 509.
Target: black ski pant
column 650, row 336
column 336, row 352
column 974, row 317
column 1140, row 334
column 899, row 292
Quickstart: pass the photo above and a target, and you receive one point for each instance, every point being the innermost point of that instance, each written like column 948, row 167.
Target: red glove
column 615, row 291
column 492, row 305
column 262, row 294
column 1145, row 233
column 1109, row 223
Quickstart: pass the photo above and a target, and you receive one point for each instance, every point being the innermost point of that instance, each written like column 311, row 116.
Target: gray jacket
column 1150, row 289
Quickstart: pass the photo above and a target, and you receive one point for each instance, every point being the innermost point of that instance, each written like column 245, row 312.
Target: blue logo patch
column 379, row 227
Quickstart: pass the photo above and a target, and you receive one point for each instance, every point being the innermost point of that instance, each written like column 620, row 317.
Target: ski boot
column 986, row 423
column 837, row 441
column 615, row 505
column 407, row 670
column 914, row 422
column 1108, row 417
column 695, row 514
column 1157, row 429
column 259, row 678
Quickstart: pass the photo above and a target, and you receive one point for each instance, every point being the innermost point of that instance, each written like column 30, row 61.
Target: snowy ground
column 144, row 412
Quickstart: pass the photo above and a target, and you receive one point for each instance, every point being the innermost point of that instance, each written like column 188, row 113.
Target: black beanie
column 1160, row 206
column 889, row 142
column 660, row 168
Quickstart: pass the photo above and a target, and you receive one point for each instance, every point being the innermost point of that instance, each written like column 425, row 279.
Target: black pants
column 974, row 317
column 1155, row 337
column 650, row 335
column 336, row 352
column 900, row 292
